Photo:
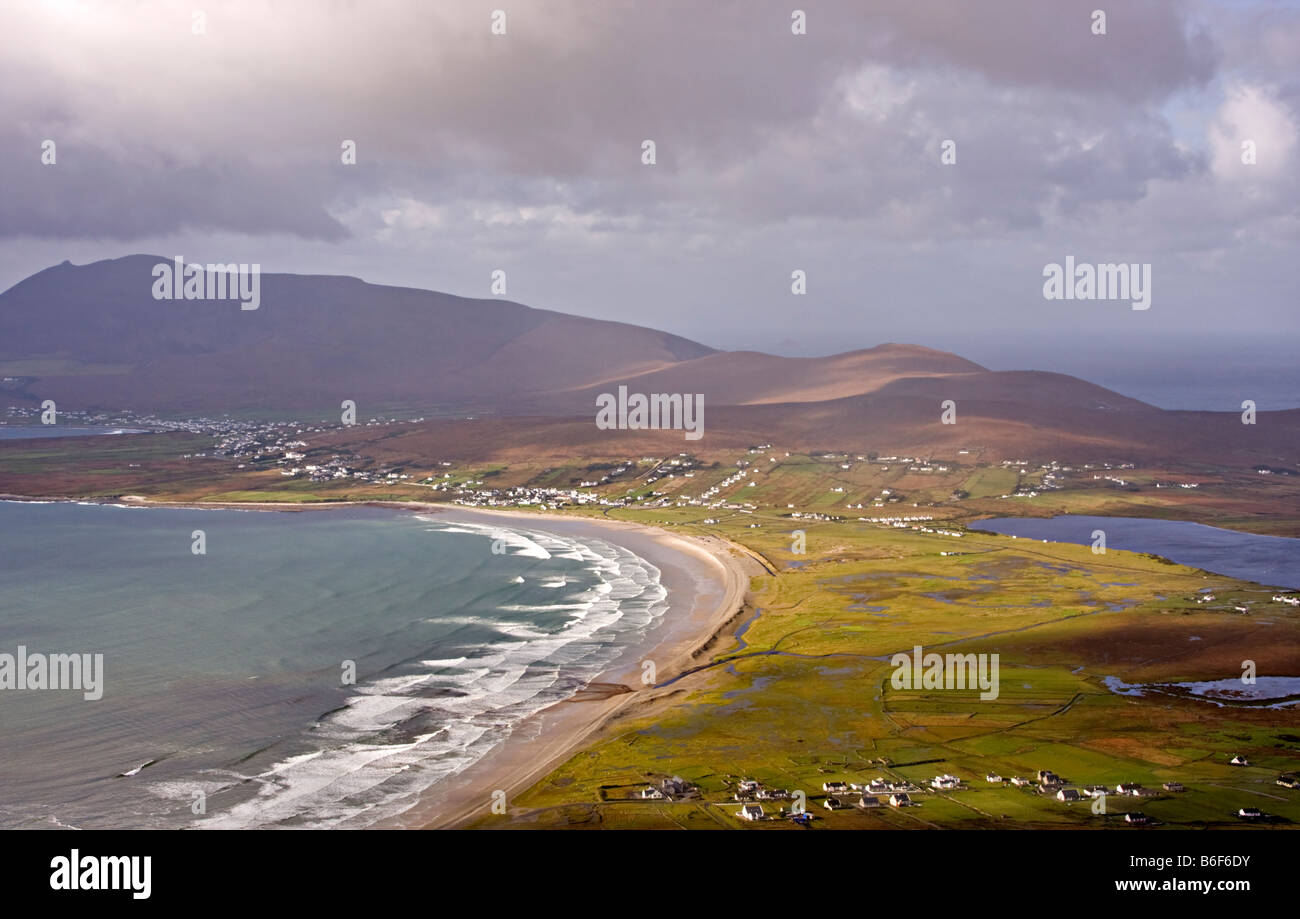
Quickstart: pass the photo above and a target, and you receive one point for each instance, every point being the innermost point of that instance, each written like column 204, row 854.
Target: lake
column 1271, row 560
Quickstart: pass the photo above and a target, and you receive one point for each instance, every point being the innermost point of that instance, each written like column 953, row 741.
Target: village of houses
column 259, row 445
column 751, row 801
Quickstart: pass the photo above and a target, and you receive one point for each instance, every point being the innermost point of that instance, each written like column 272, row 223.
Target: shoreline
column 707, row 579
column 715, row 584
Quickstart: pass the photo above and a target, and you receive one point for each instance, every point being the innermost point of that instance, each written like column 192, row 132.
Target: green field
column 809, row 697
column 991, row 482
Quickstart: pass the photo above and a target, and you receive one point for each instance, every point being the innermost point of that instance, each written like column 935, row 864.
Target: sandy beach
column 707, row 580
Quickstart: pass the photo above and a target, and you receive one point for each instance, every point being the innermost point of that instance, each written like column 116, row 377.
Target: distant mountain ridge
column 97, row 338
column 314, row 341
column 93, row 336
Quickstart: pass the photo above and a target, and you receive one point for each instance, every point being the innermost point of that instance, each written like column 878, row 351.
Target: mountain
column 752, row 378
column 93, row 336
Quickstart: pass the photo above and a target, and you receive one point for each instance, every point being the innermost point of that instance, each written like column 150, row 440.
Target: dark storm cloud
column 478, row 151
column 239, row 128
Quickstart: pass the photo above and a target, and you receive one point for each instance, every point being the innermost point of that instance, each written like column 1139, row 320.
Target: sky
column 218, row 135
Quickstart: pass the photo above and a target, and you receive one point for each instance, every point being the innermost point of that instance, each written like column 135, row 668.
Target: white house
column 899, row 799
column 750, row 812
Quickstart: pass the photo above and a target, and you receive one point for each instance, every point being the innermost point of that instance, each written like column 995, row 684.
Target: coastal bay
column 259, row 768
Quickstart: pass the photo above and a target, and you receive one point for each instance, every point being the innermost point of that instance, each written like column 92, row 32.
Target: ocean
column 225, row 702
column 1178, row 372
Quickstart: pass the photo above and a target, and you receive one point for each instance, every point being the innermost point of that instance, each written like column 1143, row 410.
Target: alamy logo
column 103, row 872
column 1098, row 282
column 231, row 281
column 657, row 411
column 84, row 672
column 950, row 671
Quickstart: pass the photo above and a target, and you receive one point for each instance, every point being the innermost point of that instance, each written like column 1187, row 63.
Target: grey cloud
column 99, row 193
column 235, row 130
column 522, row 151
column 1150, row 48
